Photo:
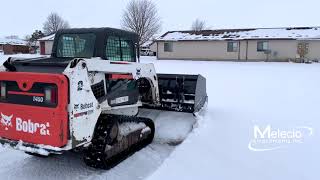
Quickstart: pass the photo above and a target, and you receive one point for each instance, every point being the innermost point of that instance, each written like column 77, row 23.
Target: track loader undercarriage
column 133, row 134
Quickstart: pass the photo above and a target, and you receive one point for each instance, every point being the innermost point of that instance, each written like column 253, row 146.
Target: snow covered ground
column 241, row 96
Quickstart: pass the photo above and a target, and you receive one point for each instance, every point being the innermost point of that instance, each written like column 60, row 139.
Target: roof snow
column 243, row 34
column 13, row 41
column 47, row 38
column 147, row 44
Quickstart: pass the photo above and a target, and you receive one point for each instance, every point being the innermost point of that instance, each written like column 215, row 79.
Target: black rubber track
column 95, row 155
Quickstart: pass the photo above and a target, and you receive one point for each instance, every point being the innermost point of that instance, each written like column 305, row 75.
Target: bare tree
column 198, row 25
column 141, row 17
column 53, row 23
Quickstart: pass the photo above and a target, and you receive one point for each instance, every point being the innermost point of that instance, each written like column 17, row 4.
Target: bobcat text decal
column 26, row 126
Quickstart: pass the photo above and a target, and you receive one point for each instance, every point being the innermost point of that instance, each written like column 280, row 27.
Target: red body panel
column 121, row 76
column 34, row 124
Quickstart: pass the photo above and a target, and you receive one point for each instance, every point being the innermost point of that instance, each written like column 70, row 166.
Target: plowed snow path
column 17, row 165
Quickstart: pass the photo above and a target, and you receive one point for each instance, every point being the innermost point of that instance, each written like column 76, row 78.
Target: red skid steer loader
column 87, row 95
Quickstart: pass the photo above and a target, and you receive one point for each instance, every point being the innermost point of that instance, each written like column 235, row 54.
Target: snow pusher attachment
column 182, row 93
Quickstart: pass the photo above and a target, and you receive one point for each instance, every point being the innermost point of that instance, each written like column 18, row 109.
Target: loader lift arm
column 138, row 71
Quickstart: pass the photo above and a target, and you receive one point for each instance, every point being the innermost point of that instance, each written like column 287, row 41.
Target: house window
column 233, row 46
column 168, row 47
column 262, row 46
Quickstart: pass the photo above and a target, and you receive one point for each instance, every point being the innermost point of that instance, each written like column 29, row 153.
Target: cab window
column 76, row 45
column 119, row 49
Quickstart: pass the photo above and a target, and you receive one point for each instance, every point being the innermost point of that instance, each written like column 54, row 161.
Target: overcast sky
column 23, row 17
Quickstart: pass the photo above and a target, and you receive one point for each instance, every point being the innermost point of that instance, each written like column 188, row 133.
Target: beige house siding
column 314, row 49
column 48, row 47
column 153, row 47
column 201, row 50
column 280, row 50
column 243, row 50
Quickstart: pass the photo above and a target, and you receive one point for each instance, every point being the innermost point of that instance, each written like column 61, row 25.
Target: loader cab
column 115, row 45
column 105, row 43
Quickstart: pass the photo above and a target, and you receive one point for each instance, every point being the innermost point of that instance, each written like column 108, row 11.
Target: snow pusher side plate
column 182, row 93
column 33, row 108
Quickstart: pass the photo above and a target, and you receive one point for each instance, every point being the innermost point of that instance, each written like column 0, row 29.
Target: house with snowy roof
column 46, row 44
column 13, row 46
column 263, row 44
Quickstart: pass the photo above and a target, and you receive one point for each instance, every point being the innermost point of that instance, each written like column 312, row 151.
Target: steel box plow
column 182, row 93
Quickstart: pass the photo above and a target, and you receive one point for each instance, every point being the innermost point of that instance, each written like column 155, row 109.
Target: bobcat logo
column 138, row 73
column 6, row 120
column 80, row 85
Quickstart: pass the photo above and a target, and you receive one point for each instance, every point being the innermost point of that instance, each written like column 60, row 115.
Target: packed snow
column 171, row 127
column 215, row 144
column 242, row 34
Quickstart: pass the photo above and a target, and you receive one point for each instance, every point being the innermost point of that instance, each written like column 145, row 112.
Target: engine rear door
column 33, row 108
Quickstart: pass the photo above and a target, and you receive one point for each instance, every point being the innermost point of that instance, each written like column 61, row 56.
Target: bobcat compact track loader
column 87, row 95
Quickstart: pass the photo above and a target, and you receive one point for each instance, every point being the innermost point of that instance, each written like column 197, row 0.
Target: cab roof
column 101, row 37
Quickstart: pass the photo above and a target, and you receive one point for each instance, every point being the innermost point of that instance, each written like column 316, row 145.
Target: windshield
column 76, row 45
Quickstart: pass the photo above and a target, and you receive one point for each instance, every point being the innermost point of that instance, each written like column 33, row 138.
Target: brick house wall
column 15, row 49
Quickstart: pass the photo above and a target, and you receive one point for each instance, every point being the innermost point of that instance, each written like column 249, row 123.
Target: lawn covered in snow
column 241, row 95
